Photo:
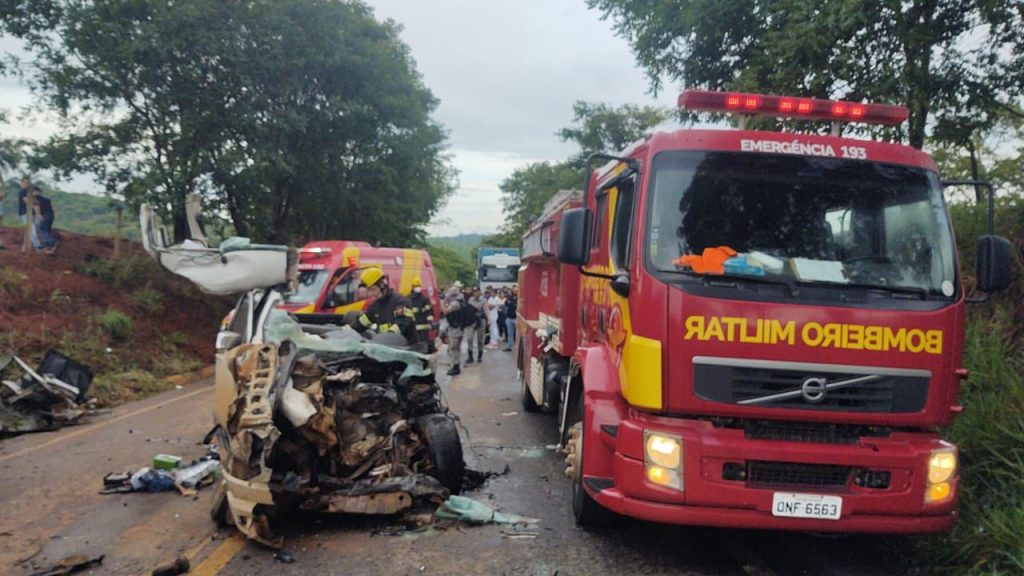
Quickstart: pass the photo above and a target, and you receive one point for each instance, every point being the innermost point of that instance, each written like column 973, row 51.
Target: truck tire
column 445, row 449
column 529, row 404
column 585, row 510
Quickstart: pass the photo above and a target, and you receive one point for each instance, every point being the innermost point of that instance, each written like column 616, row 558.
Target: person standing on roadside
column 424, row 313
column 27, row 214
column 473, row 330
column 44, row 221
column 453, row 314
column 511, row 308
column 3, row 196
column 502, row 295
column 491, row 308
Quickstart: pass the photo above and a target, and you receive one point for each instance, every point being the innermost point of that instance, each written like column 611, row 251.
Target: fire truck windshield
column 308, row 287
column 796, row 219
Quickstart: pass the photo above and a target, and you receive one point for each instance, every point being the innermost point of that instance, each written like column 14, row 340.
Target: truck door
column 345, row 295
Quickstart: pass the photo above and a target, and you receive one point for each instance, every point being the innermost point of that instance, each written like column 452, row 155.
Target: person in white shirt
column 491, row 308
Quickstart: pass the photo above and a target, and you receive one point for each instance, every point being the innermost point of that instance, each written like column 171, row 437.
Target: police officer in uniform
column 389, row 312
column 454, row 312
column 424, row 314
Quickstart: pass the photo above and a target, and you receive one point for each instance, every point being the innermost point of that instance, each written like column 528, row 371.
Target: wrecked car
column 310, row 416
column 45, row 398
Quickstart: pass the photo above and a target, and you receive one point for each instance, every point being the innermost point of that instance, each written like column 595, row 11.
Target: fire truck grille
column 780, row 474
column 809, row 387
column 808, row 432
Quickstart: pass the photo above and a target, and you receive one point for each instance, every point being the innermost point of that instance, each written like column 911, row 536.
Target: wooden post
column 117, row 236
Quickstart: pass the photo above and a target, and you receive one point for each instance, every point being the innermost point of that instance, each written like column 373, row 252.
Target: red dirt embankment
column 59, row 301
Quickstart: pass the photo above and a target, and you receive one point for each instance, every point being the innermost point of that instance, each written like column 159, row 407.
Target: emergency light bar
column 313, row 253
column 792, row 107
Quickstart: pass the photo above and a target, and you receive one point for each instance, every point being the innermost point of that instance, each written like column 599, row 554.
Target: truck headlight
column 663, row 450
column 941, row 468
column 663, row 459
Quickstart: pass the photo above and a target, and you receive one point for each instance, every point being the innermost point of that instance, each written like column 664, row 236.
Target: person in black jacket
column 44, row 221
column 423, row 311
column 511, row 307
column 389, row 312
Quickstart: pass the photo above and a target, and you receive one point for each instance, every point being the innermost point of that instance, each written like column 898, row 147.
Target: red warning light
column 839, row 109
column 857, row 111
column 751, row 103
column 732, row 101
column 804, row 107
column 786, row 105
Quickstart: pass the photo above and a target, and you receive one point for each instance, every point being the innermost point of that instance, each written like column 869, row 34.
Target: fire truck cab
column 754, row 329
column 329, row 273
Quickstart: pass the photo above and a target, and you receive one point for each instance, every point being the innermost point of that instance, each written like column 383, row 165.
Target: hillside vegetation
column 132, row 322
column 989, row 538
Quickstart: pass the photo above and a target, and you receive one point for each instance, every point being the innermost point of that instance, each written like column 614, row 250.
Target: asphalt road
column 49, row 487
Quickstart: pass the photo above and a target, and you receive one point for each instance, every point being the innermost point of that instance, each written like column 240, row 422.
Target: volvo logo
column 813, row 390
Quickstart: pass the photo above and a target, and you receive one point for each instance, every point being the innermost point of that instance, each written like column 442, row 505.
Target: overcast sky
column 506, row 73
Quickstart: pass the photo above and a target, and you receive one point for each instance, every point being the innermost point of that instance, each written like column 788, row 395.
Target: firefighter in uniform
column 389, row 312
column 424, row 314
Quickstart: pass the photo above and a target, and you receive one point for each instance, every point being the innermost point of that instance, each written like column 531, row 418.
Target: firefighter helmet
column 417, row 282
column 371, row 276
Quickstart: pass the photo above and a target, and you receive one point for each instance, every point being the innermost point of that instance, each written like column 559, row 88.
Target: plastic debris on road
column 146, row 479
column 469, row 510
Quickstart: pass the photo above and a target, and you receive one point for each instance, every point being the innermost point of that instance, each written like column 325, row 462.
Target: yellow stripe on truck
column 640, row 372
column 640, row 369
column 412, row 266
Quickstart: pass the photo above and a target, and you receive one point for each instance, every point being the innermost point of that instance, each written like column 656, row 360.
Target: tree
column 957, row 61
column 595, row 128
column 296, row 119
column 524, row 193
column 602, row 128
column 449, row 266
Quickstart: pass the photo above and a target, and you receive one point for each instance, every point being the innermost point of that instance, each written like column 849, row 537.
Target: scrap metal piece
column 387, row 503
column 45, row 398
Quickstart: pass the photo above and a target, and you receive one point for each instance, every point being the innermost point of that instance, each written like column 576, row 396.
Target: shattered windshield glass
column 310, row 283
column 798, row 219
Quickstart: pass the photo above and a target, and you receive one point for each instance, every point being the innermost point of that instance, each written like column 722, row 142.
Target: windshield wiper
column 918, row 291
column 709, row 278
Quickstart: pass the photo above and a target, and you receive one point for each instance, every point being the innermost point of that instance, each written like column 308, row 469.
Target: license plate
column 793, row 505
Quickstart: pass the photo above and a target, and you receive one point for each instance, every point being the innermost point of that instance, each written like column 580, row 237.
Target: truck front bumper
column 718, row 488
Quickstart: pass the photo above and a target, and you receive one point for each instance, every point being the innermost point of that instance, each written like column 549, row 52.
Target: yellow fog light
column 663, row 450
column 664, row 477
column 941, row 466
column 938, row 492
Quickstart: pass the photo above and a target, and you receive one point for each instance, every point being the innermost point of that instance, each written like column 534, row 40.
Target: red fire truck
column 752, row 328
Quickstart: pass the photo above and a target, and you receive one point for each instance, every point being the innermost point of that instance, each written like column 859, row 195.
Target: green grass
column 989, row 538
column 115, row 324
column 150, row 300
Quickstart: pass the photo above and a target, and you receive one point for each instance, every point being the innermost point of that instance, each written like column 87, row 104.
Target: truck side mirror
column 994, row 255
column 620, row 284
column 574, row 236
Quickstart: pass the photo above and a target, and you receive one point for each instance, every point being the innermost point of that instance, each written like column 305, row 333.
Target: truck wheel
column 587, row 512
column 445, row 449
column 529, row 404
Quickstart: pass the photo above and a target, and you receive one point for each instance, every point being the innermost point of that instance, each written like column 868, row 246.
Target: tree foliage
column 524, row 193
column 959, row 62
column 449, row 266
column 603, row 128
column 296, row 119
column 596, row 127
